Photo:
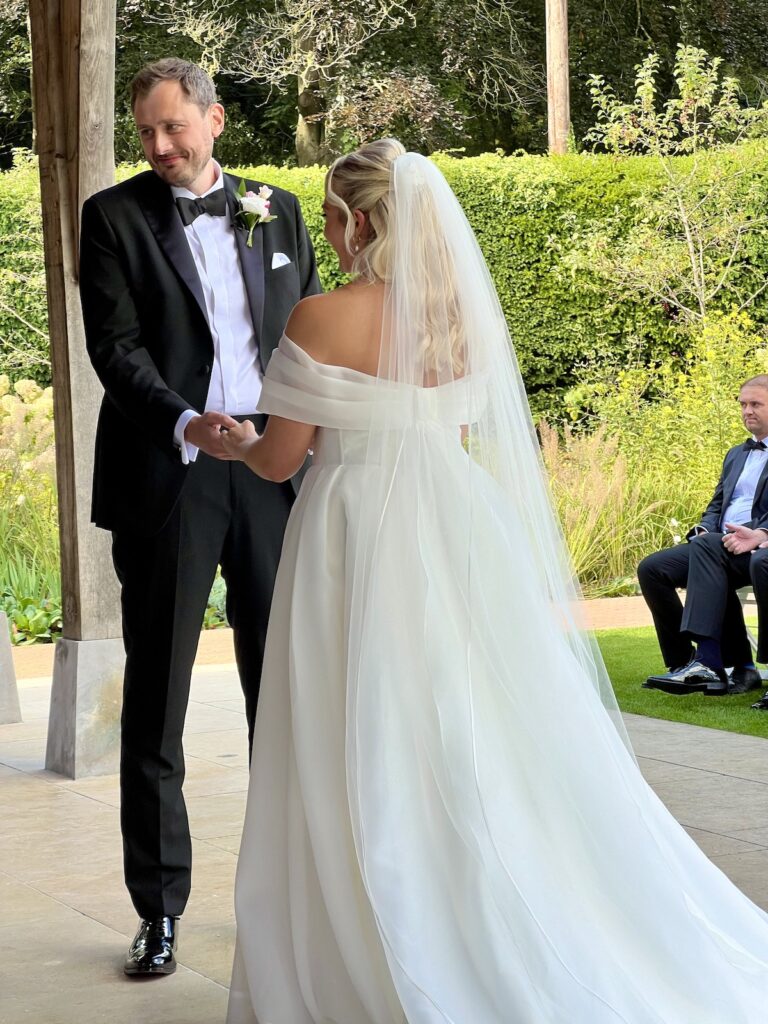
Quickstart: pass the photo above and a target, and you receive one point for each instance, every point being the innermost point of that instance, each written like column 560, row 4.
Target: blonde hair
column 362, row 180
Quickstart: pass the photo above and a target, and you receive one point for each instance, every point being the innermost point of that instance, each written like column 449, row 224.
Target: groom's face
column 178, row 136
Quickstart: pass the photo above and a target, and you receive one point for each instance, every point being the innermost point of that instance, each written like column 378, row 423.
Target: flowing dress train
column 444, row 825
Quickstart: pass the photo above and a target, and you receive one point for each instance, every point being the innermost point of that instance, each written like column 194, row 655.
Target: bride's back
column 342, row 327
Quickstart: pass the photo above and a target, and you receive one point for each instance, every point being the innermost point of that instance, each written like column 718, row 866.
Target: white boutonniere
column 253, row 209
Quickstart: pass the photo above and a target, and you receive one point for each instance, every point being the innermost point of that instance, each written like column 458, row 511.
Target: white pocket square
column 279, row 259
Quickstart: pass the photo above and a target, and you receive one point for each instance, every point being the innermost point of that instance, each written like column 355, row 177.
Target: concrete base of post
column 9, row 695
column 86, row 700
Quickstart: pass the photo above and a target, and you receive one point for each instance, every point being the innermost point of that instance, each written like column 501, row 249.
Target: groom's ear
column 216, row 118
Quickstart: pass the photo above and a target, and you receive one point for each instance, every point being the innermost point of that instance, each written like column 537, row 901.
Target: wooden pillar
column 558, row 89
column 73, row 55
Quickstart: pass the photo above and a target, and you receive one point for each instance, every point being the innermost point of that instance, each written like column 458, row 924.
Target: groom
column 182, row 312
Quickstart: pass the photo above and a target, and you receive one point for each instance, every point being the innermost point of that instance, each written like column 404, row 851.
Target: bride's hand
column 238, row 439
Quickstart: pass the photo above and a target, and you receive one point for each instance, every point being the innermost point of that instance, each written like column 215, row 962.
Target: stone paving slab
column 66, row 920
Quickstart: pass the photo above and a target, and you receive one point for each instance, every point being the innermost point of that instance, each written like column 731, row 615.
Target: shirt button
column 205, row 369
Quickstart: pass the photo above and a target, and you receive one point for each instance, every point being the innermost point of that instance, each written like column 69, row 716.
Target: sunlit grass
column 631, row 655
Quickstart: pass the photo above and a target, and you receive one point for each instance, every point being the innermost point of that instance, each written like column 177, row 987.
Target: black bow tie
column 214, row 204
column 750, row 445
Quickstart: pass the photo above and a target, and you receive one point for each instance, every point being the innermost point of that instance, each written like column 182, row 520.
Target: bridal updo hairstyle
column 362, row 180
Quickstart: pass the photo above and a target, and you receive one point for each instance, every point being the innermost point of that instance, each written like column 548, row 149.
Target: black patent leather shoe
column 745, row 679
column 762, row 704
column 152, row 951
column 691, row 678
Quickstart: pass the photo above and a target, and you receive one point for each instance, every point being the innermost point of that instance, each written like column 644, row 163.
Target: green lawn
column 631, row 655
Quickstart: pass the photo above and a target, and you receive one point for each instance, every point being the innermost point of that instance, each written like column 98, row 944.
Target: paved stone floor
column 65, row 920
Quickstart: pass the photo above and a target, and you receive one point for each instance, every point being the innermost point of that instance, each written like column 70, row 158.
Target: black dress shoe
column 691, row 678
column 152, row 950
column 762, row 704
column 745, row 679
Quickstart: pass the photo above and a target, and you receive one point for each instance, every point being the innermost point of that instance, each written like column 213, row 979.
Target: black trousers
column 712, row 574
column 225, row 516
column 661, row 573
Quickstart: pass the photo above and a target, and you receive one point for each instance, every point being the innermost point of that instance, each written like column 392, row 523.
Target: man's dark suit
column 150, row 343
column 711, row 576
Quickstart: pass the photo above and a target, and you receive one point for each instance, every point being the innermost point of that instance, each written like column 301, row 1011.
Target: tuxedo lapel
column 165, row 223
column 251, row 263
column 761, row 482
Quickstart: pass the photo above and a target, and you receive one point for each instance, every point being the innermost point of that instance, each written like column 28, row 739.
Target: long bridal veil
column 517, row 865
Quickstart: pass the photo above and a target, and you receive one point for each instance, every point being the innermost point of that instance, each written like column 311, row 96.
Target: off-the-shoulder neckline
column 328, row 366
column 368, row 376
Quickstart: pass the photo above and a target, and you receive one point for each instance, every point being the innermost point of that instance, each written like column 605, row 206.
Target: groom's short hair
column 197, row 84
column 760, row 381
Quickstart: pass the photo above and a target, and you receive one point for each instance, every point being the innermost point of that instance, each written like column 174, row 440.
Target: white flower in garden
column 673, row 522
column 21, row 500
column 676, row 538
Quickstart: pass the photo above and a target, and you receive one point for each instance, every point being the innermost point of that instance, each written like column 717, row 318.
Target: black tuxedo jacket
column 148, row 337
column 733, row 464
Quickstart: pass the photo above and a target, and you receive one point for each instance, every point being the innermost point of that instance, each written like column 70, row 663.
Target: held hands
column 205, row 433
column 741, row 539
column 238, row 440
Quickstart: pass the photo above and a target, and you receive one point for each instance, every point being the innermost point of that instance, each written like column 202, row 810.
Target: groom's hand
column 205, row 433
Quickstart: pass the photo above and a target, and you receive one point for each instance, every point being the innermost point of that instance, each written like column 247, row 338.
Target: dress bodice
column 347, row 404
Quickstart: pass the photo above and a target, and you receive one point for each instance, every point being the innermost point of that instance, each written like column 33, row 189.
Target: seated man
column 728, row 549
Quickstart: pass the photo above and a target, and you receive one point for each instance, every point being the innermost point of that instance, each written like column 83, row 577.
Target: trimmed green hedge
column 525, row 211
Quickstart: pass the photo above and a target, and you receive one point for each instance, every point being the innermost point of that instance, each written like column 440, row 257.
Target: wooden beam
column 558, row 87
column 73, row 51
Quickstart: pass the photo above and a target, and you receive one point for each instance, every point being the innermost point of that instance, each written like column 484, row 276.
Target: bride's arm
column 276, row 454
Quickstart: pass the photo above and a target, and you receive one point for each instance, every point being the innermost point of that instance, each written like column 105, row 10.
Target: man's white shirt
column 739, row 508
column 236, row 379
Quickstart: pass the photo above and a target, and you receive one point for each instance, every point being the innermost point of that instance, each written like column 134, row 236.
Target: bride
column 445, row 822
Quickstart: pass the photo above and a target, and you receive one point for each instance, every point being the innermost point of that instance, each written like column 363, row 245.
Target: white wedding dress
column 445, row 828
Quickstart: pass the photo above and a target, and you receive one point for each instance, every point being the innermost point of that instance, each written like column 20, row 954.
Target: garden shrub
column 651, row 400
column 530, row 214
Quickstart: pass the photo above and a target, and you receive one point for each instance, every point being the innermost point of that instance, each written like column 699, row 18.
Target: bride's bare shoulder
column 310, row 315
column 332, row 327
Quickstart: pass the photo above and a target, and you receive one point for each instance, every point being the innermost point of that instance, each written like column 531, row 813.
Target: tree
column 689, row 248
column 314, row 43
column 15, row 86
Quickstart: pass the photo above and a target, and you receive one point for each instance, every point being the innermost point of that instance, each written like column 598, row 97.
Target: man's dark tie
column 190, row 209
column 750, row 445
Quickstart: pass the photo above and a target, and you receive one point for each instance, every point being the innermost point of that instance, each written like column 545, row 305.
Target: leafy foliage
column 544, row 226
column 705, row 110
column 30, row 591
column 23, row 310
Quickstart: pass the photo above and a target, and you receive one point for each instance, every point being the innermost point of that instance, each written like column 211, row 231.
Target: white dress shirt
column 739, row 508
column 235, row 383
